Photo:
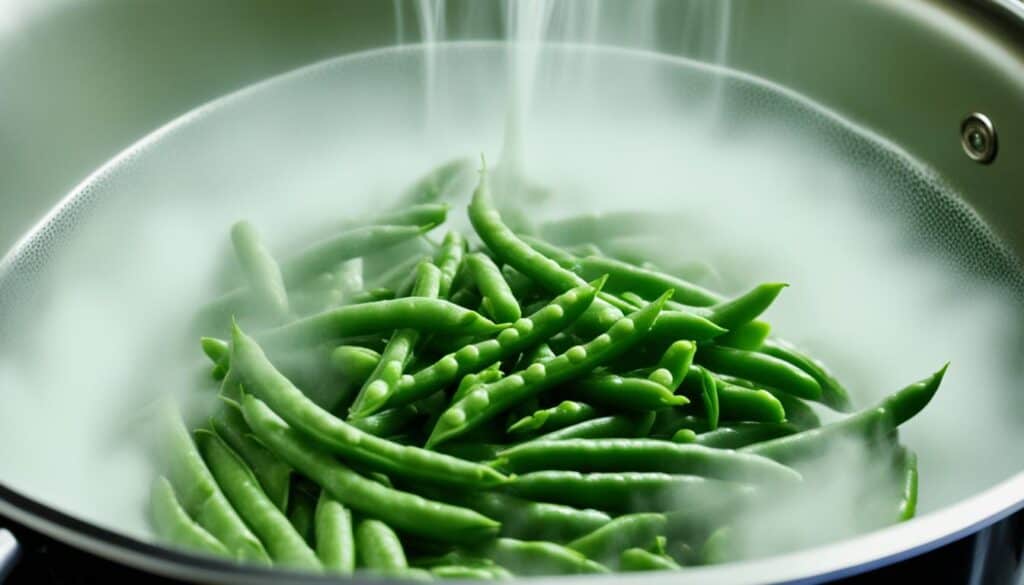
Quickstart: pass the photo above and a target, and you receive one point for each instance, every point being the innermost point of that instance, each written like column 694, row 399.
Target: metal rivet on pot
column 978, row 137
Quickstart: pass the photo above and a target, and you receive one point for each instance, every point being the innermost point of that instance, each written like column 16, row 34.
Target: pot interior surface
column 891, row 275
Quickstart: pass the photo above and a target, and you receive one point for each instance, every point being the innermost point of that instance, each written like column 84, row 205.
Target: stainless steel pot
column 912, row 71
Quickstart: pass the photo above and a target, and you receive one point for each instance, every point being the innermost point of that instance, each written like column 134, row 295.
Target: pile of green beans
column 480, row 411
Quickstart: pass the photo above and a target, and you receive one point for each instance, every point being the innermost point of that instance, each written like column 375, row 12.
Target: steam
column 753, row 181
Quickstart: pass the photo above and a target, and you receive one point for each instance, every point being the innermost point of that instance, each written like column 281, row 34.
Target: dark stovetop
column 997, row 552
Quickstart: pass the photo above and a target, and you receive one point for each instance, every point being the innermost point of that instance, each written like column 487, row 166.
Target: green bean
column 449, row 259
column 391, row 422
column 606, row 543
column 172, row 523
column 624, row 392
column 488, row 401
column 261, row 271
column 438, row 183
column 634, row 491
column 457, row 557
column 868, row 424
column 676, row 361
column 907, row 460
column 625, row 277
column 540, row 558
column 737, row 312
column 392, row 279
column 761, row 369
column 670, row 420
column 274, row 475
column 476, row 449
column 673, row 326
column 504, row 307
column 284, row 544
column 335, row 543
column 404, row 511
column 368, row 296
column 710, row 397
column 422, row 314
column 199, row 494
column 379, row 387
column 719, row 547
column 534, row 520
column 798, row 412
column 559, row 255
column 606, row 427
column 736, row 403
column 611, row 455
column 378, row 547
column 333, row 434
column 684, row 436
column 522, row 286
column 524, row 334
column 357, row 363
column 749, row 336
column 217, row 350
column 470, row 382
column 351, row 244
column 637, row 559
column 743, row 434
column 512, row 250
column 833, row 394
column 565, row 414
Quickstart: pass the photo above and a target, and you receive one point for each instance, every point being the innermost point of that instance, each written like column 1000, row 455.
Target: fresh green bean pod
column 496, row 291
column 404, row 511
column 749, row 336
column 242, row 489
column 392, row 422
column 335, row 540
column 615, row 455
column 274, row 475
column 379, row 387
column 798, row 412
column 739, row 311
column 624, row 277
column 673, row 326
column 528, row 520
column 638, row 559
column 761, row 369
column 833, row 394
column 261, row 271
column 632, row 530
column 624, row 392
column 907, row 461
column 393, row 278
column 438, row 183
column 262, row 379
column 677, row 360
column 742, row 434
column 606, row 427
column 684, row 436
column 470, row 382
column 199, row 494
column 422, row 314
column 485, row 403
column 217, row 350
column 378, row 547
column 172, row 523
column 869, row 424
column 735, row 403
column 710, row 398
column 524, row 334
column 540, row 558
column 613, row 492
column 330, row 252
column 522, row 286
column 449, row 260
column 512, row 250
column 565, row 414
column 563, row 257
